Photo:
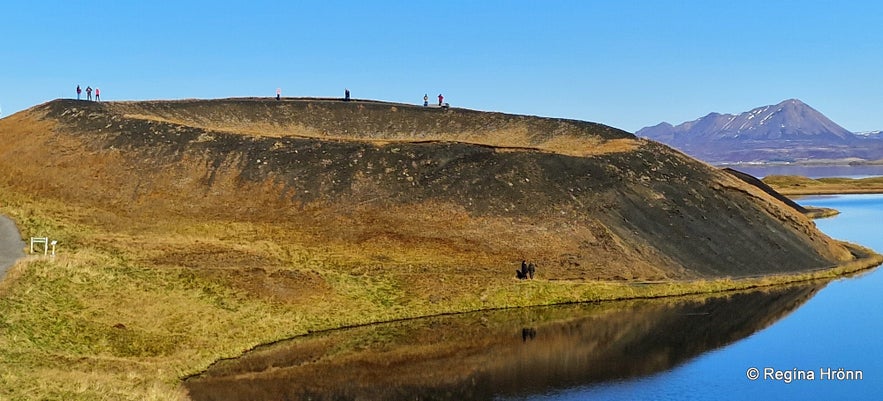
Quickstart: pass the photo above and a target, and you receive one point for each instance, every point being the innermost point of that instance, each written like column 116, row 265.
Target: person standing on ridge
column 346, row 95
column 88, row 93
column 441, row 99
column 97, row 95
column 425, row 100
column 79, row 91
column 278, row 93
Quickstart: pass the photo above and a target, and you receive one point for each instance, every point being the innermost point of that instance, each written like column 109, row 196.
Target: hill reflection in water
column 479, row 356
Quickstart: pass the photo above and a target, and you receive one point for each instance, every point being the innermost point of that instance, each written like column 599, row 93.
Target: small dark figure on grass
column 527, row 271
column 521, row 274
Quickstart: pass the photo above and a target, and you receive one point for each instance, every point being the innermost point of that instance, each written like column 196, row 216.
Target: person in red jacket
column 97, row 95
column 79, row 91
column 441, row 99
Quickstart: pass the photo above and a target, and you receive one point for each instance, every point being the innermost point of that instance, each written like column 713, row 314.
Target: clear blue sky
column 628, row 64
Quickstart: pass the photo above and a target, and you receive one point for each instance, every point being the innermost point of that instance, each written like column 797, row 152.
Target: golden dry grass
column 129, row 307
column 514, row 137
column 139, row 297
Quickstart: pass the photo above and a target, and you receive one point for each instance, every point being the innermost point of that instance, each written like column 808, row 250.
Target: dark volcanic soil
column 584, row 200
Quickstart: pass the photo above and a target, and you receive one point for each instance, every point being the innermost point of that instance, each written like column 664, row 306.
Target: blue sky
column 628, row 64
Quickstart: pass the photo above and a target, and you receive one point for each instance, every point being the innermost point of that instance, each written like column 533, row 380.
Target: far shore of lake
column 792, row 185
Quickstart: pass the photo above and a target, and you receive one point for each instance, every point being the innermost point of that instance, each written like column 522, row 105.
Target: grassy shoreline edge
column 794, row 185
column 659, row 290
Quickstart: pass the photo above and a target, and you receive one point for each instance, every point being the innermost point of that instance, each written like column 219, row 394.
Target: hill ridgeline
column 479, row 190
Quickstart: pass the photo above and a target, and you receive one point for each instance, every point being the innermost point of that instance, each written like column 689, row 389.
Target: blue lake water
column 840, row 327
column 820, row 171
column 676, row 349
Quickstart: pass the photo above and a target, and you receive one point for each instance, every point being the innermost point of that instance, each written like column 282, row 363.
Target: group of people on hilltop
column 441, row 100
column 346, row 95
column 89, row 93
column 347, row 98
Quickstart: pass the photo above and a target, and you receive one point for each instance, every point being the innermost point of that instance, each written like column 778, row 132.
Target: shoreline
column 820, row 212
column 866, row 259
column 821, row 192
column 795, row 185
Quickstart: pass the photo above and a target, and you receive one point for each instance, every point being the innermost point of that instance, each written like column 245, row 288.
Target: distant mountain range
column 870, row 134
column 788, row 132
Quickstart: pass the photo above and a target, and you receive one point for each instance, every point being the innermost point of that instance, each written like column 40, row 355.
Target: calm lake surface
column 857, row 171
column 700, row 348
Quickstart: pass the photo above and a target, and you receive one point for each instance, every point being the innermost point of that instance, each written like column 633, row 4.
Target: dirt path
column 11, row 245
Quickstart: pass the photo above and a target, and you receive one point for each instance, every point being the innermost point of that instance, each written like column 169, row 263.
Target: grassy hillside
column 190, row 231
column 468, row 190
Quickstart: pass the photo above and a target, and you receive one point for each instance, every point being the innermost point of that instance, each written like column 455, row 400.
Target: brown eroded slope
column 409, row 189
